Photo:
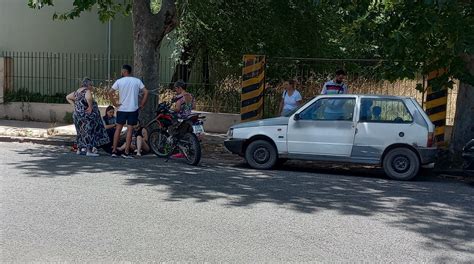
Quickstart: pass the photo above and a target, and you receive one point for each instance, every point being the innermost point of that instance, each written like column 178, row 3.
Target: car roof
column 380, row 96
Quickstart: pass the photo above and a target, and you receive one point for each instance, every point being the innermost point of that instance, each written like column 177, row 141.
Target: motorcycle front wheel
column 159, row 143
column 191, row 148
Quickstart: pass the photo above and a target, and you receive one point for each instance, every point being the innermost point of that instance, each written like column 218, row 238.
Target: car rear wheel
column 261, row 154
column 401, row 164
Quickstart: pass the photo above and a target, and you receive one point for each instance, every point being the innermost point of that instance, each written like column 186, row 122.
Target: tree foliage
column 106, row 9
column 408, row 37
column 283, row 28
column 415, row 37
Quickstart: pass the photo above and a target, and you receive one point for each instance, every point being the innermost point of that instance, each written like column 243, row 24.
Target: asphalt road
column 56, row 206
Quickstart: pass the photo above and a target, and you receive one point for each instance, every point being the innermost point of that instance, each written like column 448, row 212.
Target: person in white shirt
column 291, row 98
column 129, row 89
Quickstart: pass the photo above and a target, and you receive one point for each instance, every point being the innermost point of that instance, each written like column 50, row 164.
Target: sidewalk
column 36, row 132
column 64, row 135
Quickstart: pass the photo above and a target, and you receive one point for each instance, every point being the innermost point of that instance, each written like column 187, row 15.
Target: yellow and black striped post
column 436, row 106
column 253, row 88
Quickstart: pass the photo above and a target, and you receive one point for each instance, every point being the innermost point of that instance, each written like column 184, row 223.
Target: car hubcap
column 401, row 164
column 261, row 155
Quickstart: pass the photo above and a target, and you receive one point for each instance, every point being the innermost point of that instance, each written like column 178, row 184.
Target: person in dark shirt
column 110, row 121
column 139, row 142
column 110, row 124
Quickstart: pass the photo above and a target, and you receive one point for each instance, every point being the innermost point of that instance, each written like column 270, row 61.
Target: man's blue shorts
column 129, row 118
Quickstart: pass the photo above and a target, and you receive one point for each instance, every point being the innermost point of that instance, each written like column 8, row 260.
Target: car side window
column 384, row 111
column 330, row 109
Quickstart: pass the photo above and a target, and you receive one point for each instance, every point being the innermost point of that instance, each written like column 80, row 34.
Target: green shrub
column 23, row 95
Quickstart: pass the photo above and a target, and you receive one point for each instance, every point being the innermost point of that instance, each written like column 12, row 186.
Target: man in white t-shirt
column 129, row 89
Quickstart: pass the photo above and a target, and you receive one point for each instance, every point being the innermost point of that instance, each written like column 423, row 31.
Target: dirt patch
column 213, row 148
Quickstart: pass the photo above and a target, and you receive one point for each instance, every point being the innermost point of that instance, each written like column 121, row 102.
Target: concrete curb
column 454, row 174
column 69, row 140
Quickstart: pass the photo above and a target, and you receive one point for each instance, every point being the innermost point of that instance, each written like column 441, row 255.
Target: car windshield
column 293, row 111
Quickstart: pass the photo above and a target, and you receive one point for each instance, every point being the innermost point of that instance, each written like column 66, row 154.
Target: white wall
column 23, row 29
column 55, row 113
column 26, row 29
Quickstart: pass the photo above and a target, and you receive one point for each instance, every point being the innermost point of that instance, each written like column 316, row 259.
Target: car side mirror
column 297, row 117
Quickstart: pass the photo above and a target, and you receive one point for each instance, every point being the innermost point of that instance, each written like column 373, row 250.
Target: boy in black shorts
column 129, row 89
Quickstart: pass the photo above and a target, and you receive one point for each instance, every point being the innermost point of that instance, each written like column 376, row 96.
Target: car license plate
column 198, row 129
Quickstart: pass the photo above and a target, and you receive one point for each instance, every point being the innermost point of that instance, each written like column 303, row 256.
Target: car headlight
column 230, row 133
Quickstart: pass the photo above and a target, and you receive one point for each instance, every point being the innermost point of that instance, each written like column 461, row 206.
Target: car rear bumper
column 235, row 145
column 427, row 155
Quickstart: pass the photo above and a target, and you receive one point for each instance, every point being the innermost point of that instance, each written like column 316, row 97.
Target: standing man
column 334, row 109
column 129, row 89
column 337, row 85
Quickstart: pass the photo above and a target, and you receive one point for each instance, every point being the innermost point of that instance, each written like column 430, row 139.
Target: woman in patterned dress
column 90, row 128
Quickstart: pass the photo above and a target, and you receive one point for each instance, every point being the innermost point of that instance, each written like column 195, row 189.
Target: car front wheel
column 401, row 164
column 261, row 154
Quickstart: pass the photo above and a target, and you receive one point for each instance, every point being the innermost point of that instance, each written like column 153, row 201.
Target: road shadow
column 440, row 210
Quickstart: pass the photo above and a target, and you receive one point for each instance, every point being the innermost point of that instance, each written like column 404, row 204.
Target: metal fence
column 55, row 74
column 363, row 77
column 214, row 84
column 48, row 77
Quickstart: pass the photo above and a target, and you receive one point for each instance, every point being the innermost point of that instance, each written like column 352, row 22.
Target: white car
column 390, row 131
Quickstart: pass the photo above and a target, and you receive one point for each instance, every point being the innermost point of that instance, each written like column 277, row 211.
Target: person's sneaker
column 127, row 156
column 95, row 150
column 139, row 154
column 91, row 154
column 178, row 156
column 114, row 155
column 78, row 152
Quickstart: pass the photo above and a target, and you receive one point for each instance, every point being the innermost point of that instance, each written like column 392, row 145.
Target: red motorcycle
column 174, row 135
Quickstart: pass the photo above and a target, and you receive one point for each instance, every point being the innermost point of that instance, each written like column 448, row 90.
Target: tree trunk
column 463, row 130
column 148, row 33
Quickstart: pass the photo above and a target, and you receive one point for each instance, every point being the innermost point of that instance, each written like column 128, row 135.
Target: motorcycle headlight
column 230, row 133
